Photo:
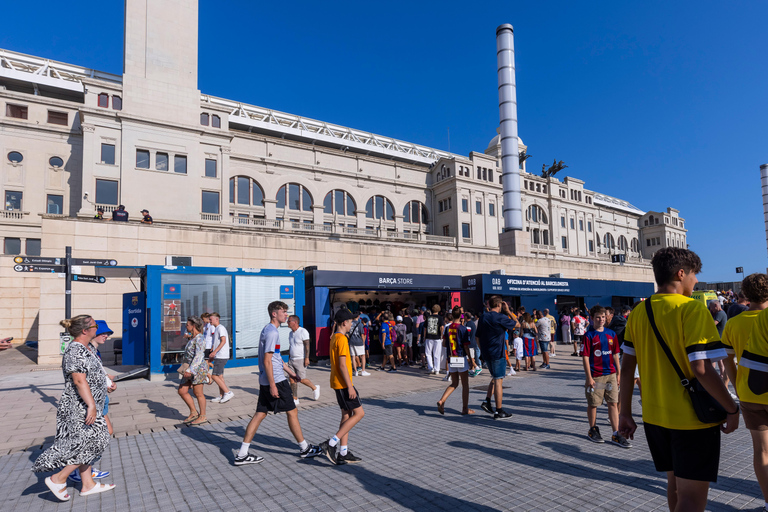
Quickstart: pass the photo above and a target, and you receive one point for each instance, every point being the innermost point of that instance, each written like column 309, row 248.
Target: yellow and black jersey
column 688, row 329
column 752, row 377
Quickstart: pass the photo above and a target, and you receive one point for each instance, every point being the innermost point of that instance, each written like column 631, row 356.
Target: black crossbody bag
column 707, row 409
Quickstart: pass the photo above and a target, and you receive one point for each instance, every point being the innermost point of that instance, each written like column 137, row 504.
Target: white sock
column 343, row 450
column 303, row 445
column 243, row 449
column 333, row 441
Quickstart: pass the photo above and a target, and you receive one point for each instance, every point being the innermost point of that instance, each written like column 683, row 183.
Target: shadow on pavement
column 162, row 410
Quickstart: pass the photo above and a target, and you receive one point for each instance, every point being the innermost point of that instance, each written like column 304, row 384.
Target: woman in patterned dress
column 197, row 373
column 81, row 431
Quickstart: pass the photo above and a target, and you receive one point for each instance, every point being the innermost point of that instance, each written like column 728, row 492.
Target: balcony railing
column 210, row 217
column 108, row 208
column 543, row 248
column 12, row 214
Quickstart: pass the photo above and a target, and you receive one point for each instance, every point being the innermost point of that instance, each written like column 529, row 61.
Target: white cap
column 399, row 319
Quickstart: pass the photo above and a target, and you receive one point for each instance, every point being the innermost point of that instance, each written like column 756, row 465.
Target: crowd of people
column 672, row 343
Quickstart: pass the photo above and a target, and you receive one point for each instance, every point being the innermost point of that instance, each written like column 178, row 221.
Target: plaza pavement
column 414, row 459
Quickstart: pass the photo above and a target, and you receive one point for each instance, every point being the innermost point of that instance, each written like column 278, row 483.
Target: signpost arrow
column 88, row 279
column 51, row 269
column 95, row 263
column 26, row 260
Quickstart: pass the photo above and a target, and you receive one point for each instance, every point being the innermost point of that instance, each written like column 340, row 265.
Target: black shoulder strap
column 649, row 310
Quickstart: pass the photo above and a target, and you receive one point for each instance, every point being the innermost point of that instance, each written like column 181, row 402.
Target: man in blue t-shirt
column 275, row 393
column 386, row 337
column 491, row 330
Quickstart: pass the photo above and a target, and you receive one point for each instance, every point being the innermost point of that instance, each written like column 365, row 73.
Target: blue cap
column 103, row 328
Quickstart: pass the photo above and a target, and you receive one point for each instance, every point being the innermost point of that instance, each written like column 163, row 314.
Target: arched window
column 623, row 244
column 608, row 241
column 339, row 202
column 414, row 212
column 536, row 213
column 294, row 197
column 245, row 191
column 650, row 219
column 379, row 207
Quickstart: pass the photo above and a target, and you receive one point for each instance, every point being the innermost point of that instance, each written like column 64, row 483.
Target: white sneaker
column 355, row 373
column 216, row 400
column 316, row 393
column 296, row 402
column 227, row 397
column 364, row 374
column 512, row 371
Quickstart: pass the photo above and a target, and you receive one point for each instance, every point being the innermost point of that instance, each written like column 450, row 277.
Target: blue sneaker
column 95, row 474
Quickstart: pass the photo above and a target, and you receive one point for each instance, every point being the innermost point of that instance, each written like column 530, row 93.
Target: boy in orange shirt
column 346, row 395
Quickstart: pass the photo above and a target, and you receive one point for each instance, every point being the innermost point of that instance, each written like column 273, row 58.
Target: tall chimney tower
column 510, row 159
column 764, row 179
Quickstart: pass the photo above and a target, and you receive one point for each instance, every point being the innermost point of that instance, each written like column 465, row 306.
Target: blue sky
column 658, row 103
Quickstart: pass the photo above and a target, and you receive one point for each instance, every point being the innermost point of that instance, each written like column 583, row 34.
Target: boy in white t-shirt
column 219, row 357
column 298, row 358
column 517, row 345
column 208, row 336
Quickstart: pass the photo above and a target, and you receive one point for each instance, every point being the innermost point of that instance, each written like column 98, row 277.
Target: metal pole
column 68, row 285
column 510, row 160
column 764, row 180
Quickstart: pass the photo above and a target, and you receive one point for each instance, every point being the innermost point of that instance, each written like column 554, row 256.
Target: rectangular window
column 562, row 222
column 338, row 196
column 17, row 111
column 12, row 246
column 142, row 159
column 648, row 242
column 492, row 210
column 58, row 118
column 589, row 226
column 581, row 225
column 479, row 173
column 478, row 207
column 117, row 103
column 210, row 168
column 573, row 224
column 210, row 202
column 13, row 200
column 564, row 241
column 658, row 240
column 591, row 246
column 465, row 230
column 465, row 205
column 538, row 187
column 180, row 164
column 243, row 190
column 106, row 192
column 215, row 121
column 161, row 161
column 33, row 247
column 55, row 204
column 439, row 206
column 485, row 173
column 446, row 231
column 490, row 174
column 204, row 119
column 104, row 100
column 108, row 154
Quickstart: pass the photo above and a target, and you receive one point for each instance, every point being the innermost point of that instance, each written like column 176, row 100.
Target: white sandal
column 59, row 490
column 98, row 488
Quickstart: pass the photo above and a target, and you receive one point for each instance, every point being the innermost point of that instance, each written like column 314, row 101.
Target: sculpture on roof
column 523, row 156
column 553, row 169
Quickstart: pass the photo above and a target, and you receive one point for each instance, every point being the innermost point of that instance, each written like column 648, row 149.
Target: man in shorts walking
column 681, row 445
column 492, row 329
column 274, row 391
column 336, row 448
column 457, row 338
column 298, row 359
column 357, row 345
column 219, row 357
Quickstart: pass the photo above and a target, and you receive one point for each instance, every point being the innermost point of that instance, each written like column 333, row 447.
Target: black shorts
column 346, row 403
column 691, row 454
column 207, row 353
column 388, row 350
column 284, row 403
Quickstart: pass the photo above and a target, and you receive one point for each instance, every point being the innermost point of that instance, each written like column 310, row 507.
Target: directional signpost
column 63, row 266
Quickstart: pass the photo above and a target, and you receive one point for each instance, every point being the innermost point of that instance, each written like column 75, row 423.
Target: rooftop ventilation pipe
column 510, row 159
column 764, row 179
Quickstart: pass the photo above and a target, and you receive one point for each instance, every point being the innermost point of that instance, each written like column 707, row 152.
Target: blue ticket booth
column 239, row 295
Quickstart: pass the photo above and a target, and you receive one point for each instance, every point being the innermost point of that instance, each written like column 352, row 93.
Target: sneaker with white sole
column 227, row 397
column 364, row 374
column 216, row 400
column 95, row 474
column 248, row 459
column 512, row 372
column 316, row 393
column 355, row 373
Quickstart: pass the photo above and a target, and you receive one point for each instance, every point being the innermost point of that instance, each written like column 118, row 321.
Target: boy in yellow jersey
column 736, row 332
column 681, row 445
column 747, row 333
column 346, row 395
column 457, row 338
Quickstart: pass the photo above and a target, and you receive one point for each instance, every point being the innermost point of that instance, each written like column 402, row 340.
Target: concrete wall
column 136, row 244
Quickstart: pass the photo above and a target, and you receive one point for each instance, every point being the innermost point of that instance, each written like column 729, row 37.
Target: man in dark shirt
column 147, row 217
column 491, row 329
column 120, row 215
column 739, row 306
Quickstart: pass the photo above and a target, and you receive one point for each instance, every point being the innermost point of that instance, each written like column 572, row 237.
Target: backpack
column 400, row 336
column 433, row 326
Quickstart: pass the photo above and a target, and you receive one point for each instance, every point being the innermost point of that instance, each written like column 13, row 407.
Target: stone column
column 87, row 209
column 224, row 173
